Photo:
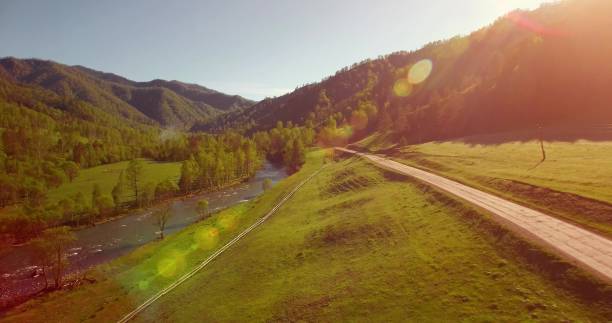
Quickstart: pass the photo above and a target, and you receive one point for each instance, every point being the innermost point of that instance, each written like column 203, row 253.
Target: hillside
column 167, row 103
column 573, row 183
column 58, row 120
column 353, row 244
column 544, row 67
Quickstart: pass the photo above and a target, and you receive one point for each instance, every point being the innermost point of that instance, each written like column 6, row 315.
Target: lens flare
column 227, row 221
column 522, row 20
column 420, row 71
column 402, row 88
column 143, row 284
column 207, row 237
column 331, row 137
column 171, row 265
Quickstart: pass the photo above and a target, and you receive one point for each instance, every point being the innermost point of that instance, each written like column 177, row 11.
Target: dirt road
column 588, row 250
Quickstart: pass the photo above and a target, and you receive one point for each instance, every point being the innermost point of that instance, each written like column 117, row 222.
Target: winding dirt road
column 588, row 250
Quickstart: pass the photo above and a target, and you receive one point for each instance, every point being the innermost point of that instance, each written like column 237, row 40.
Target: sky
column 253, row 48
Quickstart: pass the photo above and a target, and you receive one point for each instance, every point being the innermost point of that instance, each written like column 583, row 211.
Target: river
column 19, row 274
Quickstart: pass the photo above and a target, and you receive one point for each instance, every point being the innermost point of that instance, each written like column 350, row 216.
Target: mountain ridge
column 166, row 103
column 529, row 68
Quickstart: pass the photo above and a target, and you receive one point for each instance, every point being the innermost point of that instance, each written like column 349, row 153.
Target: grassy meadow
column 106, row 176
column 353, row 244
column 573, row 182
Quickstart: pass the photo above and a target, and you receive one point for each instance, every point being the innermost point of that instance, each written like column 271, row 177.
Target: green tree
column 189, row 173
column 148, row 194
column 67, row 208
column 119, row 189
column 43, row 255
column 299, row 154
column 96, row 194
column 294, row 154
column 105, row 205
column 202, row 208
column 165, row 189
column 134, row 175
column 71, row 169
column 80, row 206
column 161, row 219
column 51, row 247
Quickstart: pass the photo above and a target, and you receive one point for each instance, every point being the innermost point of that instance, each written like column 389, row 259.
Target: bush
column 165, row 190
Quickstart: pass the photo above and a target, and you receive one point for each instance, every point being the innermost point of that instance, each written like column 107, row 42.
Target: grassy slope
column 126, row 282
column 106, row 176
column 351, row 243
column 582, row 169
column 354, row 244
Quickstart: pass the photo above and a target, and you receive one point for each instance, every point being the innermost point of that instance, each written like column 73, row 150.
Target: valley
column 404, row 161
column 343, row 250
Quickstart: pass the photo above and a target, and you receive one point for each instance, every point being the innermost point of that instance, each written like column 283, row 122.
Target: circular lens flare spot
column 420, row 71
column 171, row 265
column 402, row 88
column 143, row 284
column 207, row 237
column 227, row 221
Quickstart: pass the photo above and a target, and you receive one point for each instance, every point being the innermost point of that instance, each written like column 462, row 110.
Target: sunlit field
column 106, row 177
column 573, row 182
column 353, row 242
column 462, row 153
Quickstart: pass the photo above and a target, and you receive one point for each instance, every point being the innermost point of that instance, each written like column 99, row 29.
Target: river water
column 19, row 275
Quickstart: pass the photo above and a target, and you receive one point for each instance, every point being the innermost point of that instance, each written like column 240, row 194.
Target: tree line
column 212, row 161
column 286, row 144
column 46, row 139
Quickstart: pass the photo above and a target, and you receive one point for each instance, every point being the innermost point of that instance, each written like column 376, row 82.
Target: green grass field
column 106, row 176
column 573, row 183
column 354, row 244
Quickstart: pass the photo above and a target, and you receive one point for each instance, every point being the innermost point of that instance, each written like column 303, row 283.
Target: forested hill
column 158, row 102
column 530, row 68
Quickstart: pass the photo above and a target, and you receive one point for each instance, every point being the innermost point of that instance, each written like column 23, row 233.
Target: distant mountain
column 166, row 103
column 544, row 67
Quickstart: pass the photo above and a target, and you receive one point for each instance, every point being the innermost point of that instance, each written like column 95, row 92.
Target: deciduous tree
column 51, row 247
column 133, row 175
column 161, row 219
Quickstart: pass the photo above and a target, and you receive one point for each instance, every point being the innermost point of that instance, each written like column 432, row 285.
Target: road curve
column 129, row 316
column 588, row 250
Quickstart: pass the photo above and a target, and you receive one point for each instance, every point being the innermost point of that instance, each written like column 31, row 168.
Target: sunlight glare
column 420, row 71
column 143, row 284
column 207, row 237
column 227, row 221
column 402, row 88
column 171, row 264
